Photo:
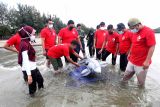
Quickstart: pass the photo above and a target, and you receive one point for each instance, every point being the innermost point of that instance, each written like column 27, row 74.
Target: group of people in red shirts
column 134, row 45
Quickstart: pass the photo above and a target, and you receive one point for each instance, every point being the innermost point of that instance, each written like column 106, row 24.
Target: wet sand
column 62, row 91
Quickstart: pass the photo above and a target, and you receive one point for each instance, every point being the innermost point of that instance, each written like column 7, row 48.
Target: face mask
column 50, row 26
column 120, row 32
column 70, row 28
column 32, row 38
column 102, row 28
column 134, row 30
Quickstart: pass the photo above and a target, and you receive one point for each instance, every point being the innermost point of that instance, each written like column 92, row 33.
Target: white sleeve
column 25, row 62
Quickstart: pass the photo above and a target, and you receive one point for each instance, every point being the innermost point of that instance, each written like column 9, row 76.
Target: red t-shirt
column 112, row 40
column 14, row 41
column 125, row 41
column 60, row 50
column 50, row 37
column 100, row 36
column 141, row 42
column 67, row 35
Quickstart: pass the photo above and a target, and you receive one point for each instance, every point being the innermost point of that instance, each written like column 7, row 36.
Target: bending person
column 56, row 52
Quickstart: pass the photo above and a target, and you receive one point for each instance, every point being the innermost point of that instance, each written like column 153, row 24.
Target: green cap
column 133, row 21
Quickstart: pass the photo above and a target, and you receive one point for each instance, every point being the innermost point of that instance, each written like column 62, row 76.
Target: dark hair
column 110, row 27
column 102, row 24
column 48, row 20
column 120, row 26
column 70, row 22
column 74, row 42
column 98, row 26
column 78, row 25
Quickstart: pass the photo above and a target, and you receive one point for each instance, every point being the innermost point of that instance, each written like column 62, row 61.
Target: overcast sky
column 92, row 12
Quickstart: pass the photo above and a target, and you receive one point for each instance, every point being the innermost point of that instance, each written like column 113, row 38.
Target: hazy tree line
column 12, row 18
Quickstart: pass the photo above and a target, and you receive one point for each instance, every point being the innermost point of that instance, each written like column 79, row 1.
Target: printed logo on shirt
column 104, row 34
column 113, row 39
column 123, row 38
column 139, row 38
column 73, row 32
column 53, row 33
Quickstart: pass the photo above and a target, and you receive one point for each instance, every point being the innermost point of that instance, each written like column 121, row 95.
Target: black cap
column 102, row 24
column 70, row 22
column 110, row 27
column 120, row 26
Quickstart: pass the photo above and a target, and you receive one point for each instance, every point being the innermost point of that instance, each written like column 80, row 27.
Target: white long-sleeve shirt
column 27, row 65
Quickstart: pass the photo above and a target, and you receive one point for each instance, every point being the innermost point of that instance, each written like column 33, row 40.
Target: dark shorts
column 56, row 63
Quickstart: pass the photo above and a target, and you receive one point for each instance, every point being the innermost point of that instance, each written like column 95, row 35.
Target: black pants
column 83, row 46
column 36, row 79
column 106, row 54
column 123, row 62
column 91, row 51
column 99, row 56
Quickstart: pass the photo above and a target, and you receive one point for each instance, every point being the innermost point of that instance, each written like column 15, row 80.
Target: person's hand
column 115, row 55
column 44, row 53
column 100, row 51
column 30, row 79
column 81, row 47
column 77, row 64
column 94, row 47
column 146, row 65
column 128, row 56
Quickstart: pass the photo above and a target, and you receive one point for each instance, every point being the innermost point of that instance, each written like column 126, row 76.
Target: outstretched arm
column 10, row 48
column 71, row 61
column 77, row 55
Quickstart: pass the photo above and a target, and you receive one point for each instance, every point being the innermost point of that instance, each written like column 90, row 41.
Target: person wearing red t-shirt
column 56, row 52
column 12, row 43
column 67, row 35
column 143, row 45
column 125, row 37
column 110, row 44
column 99, row 38
column 48, row 37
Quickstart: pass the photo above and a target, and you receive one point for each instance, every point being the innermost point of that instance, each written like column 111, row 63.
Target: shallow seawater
column 63, row 91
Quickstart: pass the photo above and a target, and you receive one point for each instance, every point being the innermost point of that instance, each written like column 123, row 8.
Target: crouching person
column 27, row 59
column 56, row 52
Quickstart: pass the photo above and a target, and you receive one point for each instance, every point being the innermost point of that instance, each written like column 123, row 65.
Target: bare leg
column 128, row 75
column 141, row 78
